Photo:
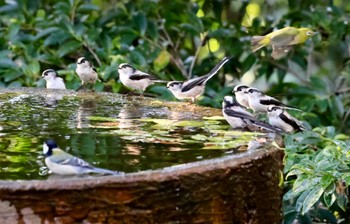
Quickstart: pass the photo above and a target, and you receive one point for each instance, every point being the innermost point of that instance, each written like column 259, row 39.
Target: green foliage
column 317, row 174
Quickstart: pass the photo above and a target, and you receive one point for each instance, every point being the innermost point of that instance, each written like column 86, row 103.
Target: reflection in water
column 86, row 109
column 51, row 99
column 127, row 113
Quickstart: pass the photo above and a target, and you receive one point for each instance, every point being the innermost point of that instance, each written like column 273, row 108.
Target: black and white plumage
column 86, row 72
column 241, row 95
column 259, row 102
column 193, row 88
column 280, row 118
column 63, row 163
column 52, row 80
column 135, row 79
column 239, row 118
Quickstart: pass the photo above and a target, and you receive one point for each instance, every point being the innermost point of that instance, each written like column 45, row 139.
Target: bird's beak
column 315, row 33
column 167, row 87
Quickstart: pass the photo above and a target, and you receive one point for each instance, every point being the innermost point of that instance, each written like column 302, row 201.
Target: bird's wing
column 203, row 79
column 279, row 52
column 291, row 121
column 271, row 101
column 284, row 37
column 188, row 85
column 75, row 161
column 252, row 120
column 141, row 75
column 234, row 113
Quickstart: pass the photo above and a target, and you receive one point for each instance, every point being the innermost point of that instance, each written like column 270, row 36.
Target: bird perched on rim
column 240, row 118
column 241, row 96
column 86, row 72
column 193, row 88
column 280, row 118
column 282, row 40
column 63, row 163
column 136, row 79
column 259, row 102
column 52, row 79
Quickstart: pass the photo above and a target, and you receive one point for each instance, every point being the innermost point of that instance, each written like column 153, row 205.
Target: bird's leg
column 132, row 91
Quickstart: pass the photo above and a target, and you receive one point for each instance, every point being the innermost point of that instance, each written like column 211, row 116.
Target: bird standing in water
column 63, row 163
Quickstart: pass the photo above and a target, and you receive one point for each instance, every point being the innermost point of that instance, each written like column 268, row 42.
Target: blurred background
column 176, row 40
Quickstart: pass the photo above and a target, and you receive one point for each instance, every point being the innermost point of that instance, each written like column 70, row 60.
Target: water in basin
column 107, row 130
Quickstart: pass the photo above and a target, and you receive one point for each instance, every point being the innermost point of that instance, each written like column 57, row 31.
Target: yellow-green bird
column 282, row 40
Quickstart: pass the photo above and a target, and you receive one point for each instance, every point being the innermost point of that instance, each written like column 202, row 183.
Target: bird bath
column 181, row 163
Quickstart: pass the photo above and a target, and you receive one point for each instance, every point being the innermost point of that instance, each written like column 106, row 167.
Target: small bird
column 282, row 40
column 135, row 79
column 241, row 96
column 240, row 118
column 280, row 118
column 259, row 102
column 193, row 88
column 52, row 79
column 86, row 72
column 63, row 163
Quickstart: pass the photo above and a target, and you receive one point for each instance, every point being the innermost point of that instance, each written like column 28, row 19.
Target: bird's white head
column 274, row 110
column 254, row 92
column 126, row 69
column 83, row 62
column 174, row 85
column 49, row 74
column 229, row 101
column 240, row 89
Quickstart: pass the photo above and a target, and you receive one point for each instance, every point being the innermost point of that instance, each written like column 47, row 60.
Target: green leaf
column 137, row 58
column 141, row 22
column 329, row 199
column 68, row 47
column 162, row 60
column 312, row 198
column 7, row 63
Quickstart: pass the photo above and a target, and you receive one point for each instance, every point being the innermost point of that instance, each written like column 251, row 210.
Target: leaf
column 7, row 63
column 141, row 22
column 68, row 47
column 137, row 58
column 329, row 199
column 162, row 60
column 312, row 198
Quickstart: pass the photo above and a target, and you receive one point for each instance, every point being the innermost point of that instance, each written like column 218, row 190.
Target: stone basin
column 233, row 188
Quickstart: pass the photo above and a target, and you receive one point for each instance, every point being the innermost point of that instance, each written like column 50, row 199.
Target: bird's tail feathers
column 160, row 81
column 258, row 42
column 293, row 108
column 105, row 171
column 268, row 127
column 217, row 67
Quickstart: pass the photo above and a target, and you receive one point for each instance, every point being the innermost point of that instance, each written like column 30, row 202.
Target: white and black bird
column 63, row 163
column 259, row 102
column 52, row 79
column 241, row 95
column 135, row 79
column 86, row 72
column 280, row 118
column 239, row 118
column 193, row 88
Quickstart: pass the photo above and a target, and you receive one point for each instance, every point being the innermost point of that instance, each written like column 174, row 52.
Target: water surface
column 107, row 130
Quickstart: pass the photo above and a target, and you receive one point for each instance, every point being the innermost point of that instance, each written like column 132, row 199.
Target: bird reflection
column 53, row 97
column 86, row 109
column 128, row 114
